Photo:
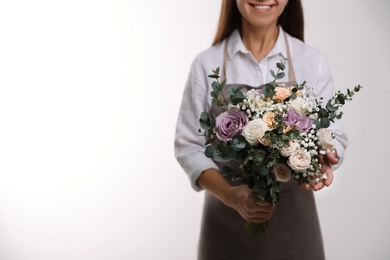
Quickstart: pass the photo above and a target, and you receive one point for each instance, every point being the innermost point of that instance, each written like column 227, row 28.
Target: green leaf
column 357, row 88
column 237, row 98
column 317, row 123
column 293, row 134
column 215, row 86
column 264, row 171
column 232, row 90
column 209, row 151
column 269, row 90
column 272, row 73
column 239, row 142
column 325, row 123
column 280, row 75
column 323, row 113
column 205, row 121
column 338, row 116
column 280, row 66
column 330, row 107
column 213, row 76
column 341, row 99
column 224, row 153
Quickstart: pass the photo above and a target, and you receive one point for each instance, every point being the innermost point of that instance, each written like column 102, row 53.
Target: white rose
column 299, row 160
column 254, row 131
column 282, row 172
column 325, row 138
column 287, row 150
column 299, row 104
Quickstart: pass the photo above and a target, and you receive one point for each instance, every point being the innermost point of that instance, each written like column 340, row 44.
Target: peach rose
column 282, row 172
column 281, row 93
column 269, row 119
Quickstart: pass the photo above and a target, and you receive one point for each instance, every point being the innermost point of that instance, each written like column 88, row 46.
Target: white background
column 89, row 95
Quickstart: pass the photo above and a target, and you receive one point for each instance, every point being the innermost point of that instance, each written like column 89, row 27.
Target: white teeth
column 262, row 7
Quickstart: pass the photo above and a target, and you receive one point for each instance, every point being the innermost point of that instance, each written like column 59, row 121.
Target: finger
column 263, row 203
column 318, row 186
column 329, row 176
column 331, row 158
column 263, row 209
column 304, row 186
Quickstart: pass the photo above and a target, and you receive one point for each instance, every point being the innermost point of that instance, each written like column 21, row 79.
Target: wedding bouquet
column 274, row 134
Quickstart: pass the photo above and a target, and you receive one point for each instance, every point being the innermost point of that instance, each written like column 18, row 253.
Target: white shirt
column 310, row 65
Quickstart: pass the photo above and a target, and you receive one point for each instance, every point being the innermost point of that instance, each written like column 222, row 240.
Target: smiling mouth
column 262, row 7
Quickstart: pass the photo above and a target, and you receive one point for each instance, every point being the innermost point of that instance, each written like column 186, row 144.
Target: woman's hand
column 242, row 200
column 239, row 197
column 326, row 162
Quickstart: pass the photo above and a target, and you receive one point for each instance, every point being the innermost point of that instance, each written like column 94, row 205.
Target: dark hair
column 291, row 20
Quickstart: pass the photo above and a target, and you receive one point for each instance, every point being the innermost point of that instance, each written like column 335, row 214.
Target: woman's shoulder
column 210, row 58
column 304, row 50
column 304, row 53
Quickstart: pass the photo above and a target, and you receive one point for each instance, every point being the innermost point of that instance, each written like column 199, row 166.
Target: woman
column 252, row 37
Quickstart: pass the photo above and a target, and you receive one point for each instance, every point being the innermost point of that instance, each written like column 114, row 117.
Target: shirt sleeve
column 189, row 143
column 326, row 89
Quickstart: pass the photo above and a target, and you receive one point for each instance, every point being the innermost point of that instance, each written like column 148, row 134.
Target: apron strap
column 225, row 58
column 291, row 74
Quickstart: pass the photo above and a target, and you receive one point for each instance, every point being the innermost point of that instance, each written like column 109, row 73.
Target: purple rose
column 230, row 123
column 301, row 122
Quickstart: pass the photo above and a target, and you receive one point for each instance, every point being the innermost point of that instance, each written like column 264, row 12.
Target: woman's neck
column 259, row 41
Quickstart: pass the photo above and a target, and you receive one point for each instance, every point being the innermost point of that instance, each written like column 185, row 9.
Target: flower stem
column 257, row 229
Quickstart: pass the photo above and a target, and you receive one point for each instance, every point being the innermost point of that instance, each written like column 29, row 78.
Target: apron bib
column 293, row 231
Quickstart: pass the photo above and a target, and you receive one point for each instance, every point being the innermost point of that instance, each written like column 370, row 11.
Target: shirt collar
column 236, row 45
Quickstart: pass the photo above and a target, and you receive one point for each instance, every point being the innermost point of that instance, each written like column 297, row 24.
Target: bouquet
column 274, row 134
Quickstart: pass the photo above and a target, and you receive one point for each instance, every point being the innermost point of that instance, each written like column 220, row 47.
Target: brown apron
column 293, row 231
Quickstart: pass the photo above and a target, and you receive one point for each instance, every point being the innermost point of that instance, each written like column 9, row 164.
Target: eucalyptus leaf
column 213, row 76
column 209, row 151
column 264, row 171
column 280, row 75
column 280, row 66
column 325, row 123
column 341, row 99
column 239, row 142
column 204, row 121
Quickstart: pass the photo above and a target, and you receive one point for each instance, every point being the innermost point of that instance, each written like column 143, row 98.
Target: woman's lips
column 262, row 8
